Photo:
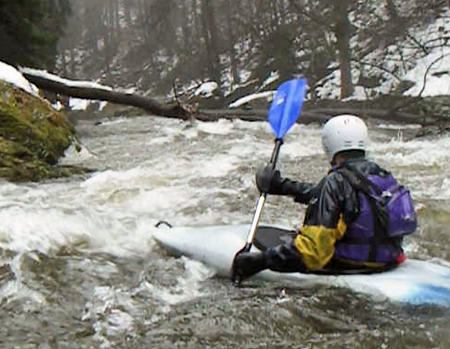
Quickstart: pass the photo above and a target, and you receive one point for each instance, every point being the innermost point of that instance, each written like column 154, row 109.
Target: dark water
column 79, row 269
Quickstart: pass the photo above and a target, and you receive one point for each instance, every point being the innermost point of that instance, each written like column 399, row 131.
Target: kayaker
column 356, row 217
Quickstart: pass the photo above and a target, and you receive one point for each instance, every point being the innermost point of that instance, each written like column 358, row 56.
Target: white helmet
column 344, row 132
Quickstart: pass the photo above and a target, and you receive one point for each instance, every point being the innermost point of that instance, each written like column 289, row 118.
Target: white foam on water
column 256, row 127
column 17, row 290
column 161, row 199
column 220, row 127
column 113, row 210
column 115, row 121
column 183, row 169
column 303, row 141
column 103, row 186
column 27, row 229
column 127, row 237
column 168, row 134
column 218, row 166
column 110, row 311
column 75, row 155
column 411, row 246
column 415, row 152
column 188, row 285
column 190, row 132
column 422, row 164
column 444, row 191
column 39, row 223
column 399, row 127
column 255, row 147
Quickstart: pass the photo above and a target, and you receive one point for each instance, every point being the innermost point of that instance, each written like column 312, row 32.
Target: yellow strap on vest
column 316, row 243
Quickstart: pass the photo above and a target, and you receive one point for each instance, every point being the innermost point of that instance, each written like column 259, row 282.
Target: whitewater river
column 79, row 268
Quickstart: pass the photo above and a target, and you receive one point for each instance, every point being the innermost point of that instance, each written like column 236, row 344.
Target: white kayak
column 414, row 282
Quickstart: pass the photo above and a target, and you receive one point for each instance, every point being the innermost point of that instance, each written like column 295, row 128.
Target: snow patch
column 206, row 89
column 71, row 83
column 404, row 61
column 268, row 95
column 78, row 104
column 244, row 75
column 83, row 104
column 11, row 75
column 436, row 68
column 58, row 106
column 274, row 76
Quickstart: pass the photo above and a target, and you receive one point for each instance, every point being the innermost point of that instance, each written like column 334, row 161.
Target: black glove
column 268, row 180
column 247, row 264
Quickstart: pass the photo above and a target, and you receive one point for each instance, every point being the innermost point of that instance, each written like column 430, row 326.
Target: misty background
column 245, row 46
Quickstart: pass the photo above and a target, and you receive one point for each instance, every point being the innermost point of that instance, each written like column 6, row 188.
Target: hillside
column 360, row 51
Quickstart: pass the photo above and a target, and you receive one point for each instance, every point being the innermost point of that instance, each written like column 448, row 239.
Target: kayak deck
column 415, row 282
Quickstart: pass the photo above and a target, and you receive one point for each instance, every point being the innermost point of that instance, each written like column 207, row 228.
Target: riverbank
column 33, row 137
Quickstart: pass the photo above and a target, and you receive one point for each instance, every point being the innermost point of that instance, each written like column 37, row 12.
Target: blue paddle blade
column 286, row 106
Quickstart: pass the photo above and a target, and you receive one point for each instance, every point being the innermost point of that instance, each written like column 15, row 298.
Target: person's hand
column 267, row 178
column 249, row 263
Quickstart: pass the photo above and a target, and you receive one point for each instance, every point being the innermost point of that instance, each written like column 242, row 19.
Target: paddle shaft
column 262, row 199
column 283, row 113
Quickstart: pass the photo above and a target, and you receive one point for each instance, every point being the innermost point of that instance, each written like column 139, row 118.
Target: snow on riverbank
column 71, row 83
column 15, row 77
column 74, row 103
column 11, row 75
column 427, row 68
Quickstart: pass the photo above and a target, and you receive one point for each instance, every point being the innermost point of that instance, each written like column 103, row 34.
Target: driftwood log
column 310, row 115
column 311, row 112
column 92, row 93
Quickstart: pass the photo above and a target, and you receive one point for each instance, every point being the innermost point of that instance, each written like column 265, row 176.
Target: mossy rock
column 33, row 137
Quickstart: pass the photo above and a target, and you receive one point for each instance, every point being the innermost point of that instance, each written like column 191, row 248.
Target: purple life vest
column 386, row 214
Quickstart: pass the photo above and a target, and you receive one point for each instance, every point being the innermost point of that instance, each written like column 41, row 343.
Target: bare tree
column 343, row 30
column 150, row 43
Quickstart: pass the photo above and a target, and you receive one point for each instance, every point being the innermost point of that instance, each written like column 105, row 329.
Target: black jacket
column 333, row 204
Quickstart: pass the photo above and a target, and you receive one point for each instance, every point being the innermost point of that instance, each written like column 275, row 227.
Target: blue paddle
column 283, row 113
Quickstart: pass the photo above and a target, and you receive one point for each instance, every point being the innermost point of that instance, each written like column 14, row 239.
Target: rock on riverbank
column 33, row 136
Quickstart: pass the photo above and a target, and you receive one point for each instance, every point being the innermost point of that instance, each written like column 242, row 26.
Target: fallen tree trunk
column 253, row 115
column 103, row 94
column 311, row 113
column 320, row 115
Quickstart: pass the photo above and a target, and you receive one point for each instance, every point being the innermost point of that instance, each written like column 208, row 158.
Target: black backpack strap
column 358, row 181
column 379, row 213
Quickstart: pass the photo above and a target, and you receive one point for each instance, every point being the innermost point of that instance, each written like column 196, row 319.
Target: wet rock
column 33, row 137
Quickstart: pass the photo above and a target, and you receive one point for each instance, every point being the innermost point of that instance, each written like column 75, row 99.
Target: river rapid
column 79, row 268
